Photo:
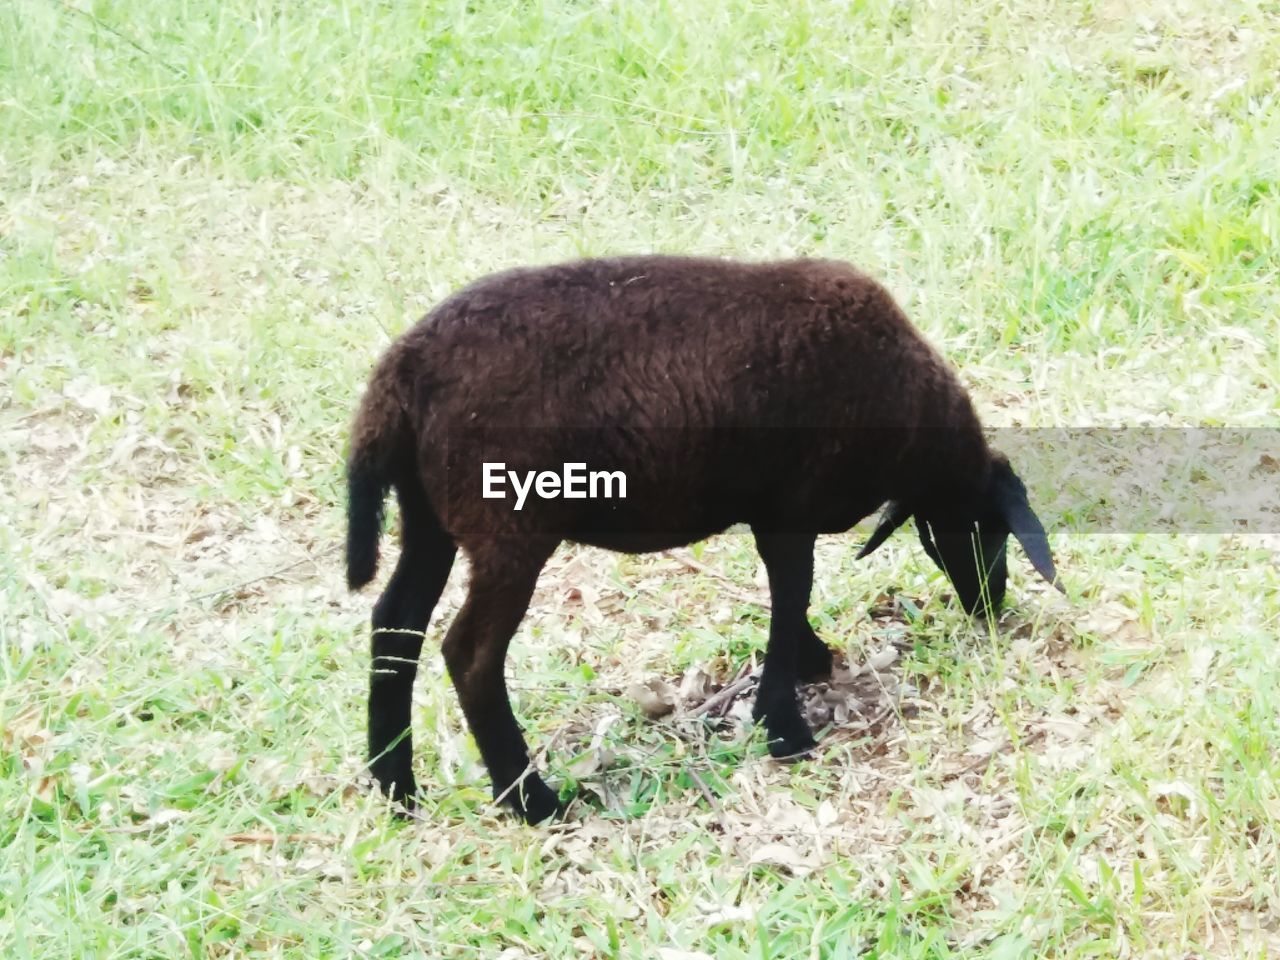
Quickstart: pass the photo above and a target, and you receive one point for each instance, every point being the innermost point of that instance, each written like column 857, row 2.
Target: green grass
column 213, row 217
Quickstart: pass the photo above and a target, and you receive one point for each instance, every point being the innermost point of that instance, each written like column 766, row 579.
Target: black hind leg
column 503, row 576
column 399, row 619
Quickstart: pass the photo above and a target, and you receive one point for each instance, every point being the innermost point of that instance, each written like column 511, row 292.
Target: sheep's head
column 968, row 540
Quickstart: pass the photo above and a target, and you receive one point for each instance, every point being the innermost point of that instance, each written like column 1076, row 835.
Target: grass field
column 213, row 217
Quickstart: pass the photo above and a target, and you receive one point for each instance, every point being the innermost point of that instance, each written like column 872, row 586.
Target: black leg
column 503, row 576
column 813, row 657
column 788, row 558
column 399, row 617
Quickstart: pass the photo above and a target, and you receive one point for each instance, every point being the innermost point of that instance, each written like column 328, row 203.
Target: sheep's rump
column 783, row 394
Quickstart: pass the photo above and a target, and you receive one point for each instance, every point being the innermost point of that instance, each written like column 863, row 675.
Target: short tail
column 379, row 439
column 366, row 495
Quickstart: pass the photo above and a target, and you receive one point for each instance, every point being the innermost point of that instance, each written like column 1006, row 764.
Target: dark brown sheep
column 793, row 396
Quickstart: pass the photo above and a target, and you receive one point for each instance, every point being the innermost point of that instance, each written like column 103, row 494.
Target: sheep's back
column 705, row 381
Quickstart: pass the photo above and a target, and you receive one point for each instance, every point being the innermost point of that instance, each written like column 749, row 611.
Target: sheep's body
column 794, row 397
column 725, row 392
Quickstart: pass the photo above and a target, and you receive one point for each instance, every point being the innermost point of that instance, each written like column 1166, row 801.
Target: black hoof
column 789, row 735
column 397, row 785
column 532, row 799
column 792, row 747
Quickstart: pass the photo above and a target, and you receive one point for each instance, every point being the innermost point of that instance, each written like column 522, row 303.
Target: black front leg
column 788, row 558
column 814, row 658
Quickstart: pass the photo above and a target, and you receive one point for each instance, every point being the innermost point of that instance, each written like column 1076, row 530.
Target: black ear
column 1011, row 501
column 894, row 516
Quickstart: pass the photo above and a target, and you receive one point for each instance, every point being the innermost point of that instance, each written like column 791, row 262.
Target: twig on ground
column 266, row 837
column 123, row 37
column 269, row 575
column 722, row 696
column 710, row 797
column 729, row 589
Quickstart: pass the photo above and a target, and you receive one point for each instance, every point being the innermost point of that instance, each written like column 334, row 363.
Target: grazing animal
column 794, row 397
